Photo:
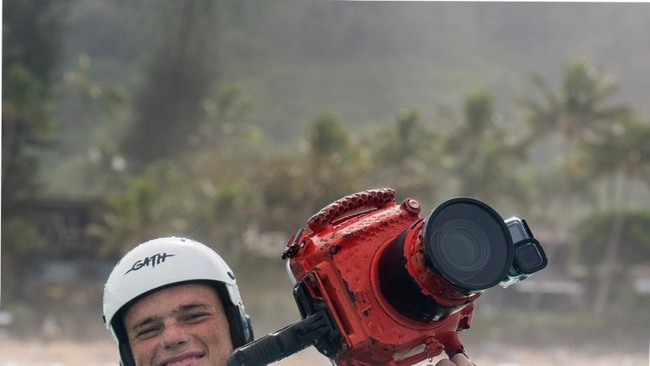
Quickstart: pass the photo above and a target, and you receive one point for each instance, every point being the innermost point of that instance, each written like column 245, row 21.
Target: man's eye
column 195, row 317
column 147, row 332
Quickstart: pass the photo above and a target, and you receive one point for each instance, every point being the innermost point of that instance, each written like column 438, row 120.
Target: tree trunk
column 607, row 270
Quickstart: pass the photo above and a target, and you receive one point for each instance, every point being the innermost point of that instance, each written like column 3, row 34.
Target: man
column 175, row 302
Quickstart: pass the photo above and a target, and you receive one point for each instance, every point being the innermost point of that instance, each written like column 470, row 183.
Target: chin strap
column 126, row 357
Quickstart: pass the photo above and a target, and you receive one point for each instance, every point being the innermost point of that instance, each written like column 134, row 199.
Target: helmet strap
column 126, row 357
column 241, row 331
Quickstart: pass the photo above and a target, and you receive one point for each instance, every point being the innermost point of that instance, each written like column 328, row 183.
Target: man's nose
column 173, row 335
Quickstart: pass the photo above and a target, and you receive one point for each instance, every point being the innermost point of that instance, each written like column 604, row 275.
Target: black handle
column 284, row 342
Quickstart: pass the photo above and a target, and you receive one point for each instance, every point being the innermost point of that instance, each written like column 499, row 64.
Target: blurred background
column 232, row 122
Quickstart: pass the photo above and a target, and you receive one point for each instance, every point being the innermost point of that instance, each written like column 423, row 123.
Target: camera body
column 398, row 287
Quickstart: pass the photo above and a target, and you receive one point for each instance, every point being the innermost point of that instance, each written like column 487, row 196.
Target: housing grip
column 284, row 342
column 373, row 198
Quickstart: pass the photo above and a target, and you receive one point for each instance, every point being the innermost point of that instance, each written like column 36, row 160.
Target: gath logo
column 149, row 261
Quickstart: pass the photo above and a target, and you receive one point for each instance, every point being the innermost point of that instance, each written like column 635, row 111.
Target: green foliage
column 586, row 89
column 232, row 206
column 167, row 199
column 91, row 118
column 21, row 244
column 32, row 32
column 479, row 111
column 31, row 52
column 482, row 151
column 580, row 111
column 407, row 131
column 293, row 187
column 334, row 163
column 168, row 107
column 572, row 113
column 326, row 138
column 284, row 193
column 408, row 156
column 591, row 234
column 20, row 239
column 620, row 146
column 574, row 109
column 130, row 217
column 86, row 101
column 226, row 125
column 25, row 124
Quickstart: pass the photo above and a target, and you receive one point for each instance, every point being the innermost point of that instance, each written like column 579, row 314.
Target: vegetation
column 30, row 38
column 213, row 131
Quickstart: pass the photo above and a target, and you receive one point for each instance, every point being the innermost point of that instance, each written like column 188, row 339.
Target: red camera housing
column 338, row 259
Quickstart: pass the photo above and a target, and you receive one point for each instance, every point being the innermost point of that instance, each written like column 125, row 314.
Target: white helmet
column 162, row 262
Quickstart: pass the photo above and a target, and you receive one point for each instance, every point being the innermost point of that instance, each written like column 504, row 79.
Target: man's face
column 183, row 325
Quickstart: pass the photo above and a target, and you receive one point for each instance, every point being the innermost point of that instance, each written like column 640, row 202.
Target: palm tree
column 619, row 151
column 406, row 156
column 482, row 152
column 571, row 111
column 580, row 114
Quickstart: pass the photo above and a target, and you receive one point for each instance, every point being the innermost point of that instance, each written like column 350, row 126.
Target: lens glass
column 468, row 243
column 464, row 245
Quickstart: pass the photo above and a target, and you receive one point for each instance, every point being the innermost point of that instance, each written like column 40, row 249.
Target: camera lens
column 528, row 258
column 468, row 243
column 465, row 248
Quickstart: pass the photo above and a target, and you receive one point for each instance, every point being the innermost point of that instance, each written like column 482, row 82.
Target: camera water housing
column 376, row 284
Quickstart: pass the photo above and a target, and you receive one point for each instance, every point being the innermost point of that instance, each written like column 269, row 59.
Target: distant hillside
column 363, row 61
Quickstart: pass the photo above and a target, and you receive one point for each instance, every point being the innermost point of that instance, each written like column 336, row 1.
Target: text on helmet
column 149, row 261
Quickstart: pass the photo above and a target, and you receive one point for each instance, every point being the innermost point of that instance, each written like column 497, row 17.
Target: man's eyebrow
column 188, row 307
